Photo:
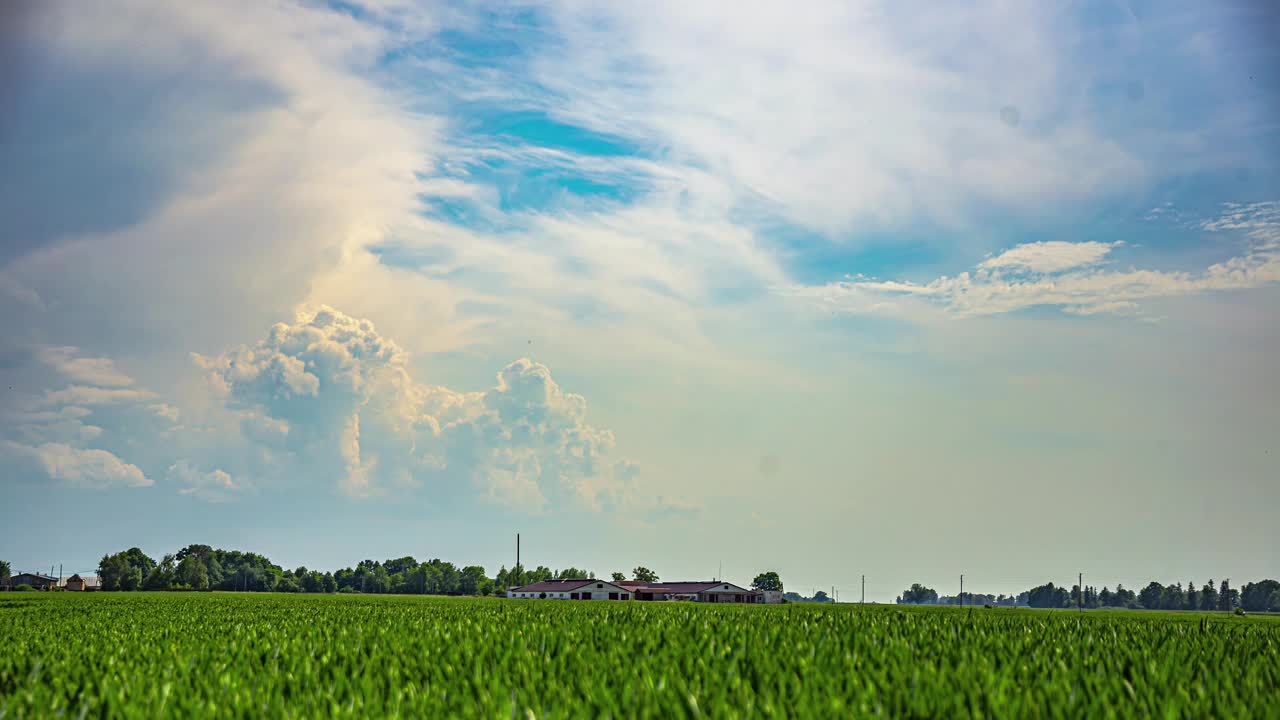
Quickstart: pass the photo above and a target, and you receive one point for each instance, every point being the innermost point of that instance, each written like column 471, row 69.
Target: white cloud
column 1061, row 277
column 89, row 468
column 86, row 395
column 841, row 115
column 87, row 370
column 336, row 397
column 1050, row 257
column 214, row 486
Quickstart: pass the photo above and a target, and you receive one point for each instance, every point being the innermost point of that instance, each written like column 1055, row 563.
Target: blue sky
column 833, row 289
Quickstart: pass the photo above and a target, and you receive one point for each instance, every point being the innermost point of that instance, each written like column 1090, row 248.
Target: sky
column 832, row 289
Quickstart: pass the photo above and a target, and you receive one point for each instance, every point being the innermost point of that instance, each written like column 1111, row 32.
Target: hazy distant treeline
column 1261, row 596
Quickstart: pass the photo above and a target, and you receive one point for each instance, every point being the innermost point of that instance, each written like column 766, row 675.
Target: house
column 35, row 580
column 576, row 589
column 81, row 583
column 716, row 591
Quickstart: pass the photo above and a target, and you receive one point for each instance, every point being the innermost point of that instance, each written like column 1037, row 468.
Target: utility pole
column 864, row 590
column 962, row 591
column 519, row 575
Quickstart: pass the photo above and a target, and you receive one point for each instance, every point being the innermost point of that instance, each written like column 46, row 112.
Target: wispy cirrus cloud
column 1062, row 274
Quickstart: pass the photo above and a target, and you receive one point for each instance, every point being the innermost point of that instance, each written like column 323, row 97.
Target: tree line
column 201, row 567
column 1261, row 596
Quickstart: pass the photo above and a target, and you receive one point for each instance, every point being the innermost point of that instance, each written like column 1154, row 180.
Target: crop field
column 141, row 655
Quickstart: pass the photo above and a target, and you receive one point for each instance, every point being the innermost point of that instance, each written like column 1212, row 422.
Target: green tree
column 1209, row 596
column 1047, row 596
column 400, row 565
column 161, row 576
column 329, row 584
column 1152, row 596
column 1274, row 603
column 644, row 574
column 110, row 571
column 193, row 573
column 472, row 580
column 767, row 581
column 6, row 572
column 1256, row 597
column 1193, row 597
column 313, row 582
column 918, row 594
column 618, row 577
column 1228, row 597
column 131, row 579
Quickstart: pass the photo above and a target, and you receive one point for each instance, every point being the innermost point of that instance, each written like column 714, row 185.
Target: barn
column 35, row 580
column 79, row 582
column 714, row 591
column 576, row 589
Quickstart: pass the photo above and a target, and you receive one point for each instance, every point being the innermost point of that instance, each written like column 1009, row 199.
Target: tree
column 131, row 579
column 619, row 577
column 161, row 576
column 767, row 581
column 110, row 571
column 329, row 584
column 821, row 597
column 1193, row 597
column 1256, row 597
column 573, row 573
column 1174, row 598
column 313, row 582
column 1152, row 596
column 918, row 594
column 1209, row 596
column 1227, row 597
column 1274, row 604
column 1047, row 596
column 6, row 572
column 471, row 580
column 192, row 573
column 644, row 574
column 399, row 565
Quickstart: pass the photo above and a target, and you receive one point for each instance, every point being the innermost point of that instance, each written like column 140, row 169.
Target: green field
column 248, row 655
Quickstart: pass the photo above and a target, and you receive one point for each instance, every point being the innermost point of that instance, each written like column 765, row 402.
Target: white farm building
column 579, row 589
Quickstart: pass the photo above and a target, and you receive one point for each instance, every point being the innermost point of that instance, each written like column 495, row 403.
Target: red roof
column 555, row 585
column 682, row 588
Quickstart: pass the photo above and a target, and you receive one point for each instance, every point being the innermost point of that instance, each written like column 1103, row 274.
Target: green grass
column 245, row 655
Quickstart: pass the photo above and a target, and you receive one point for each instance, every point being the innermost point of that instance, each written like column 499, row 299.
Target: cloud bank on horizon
column 732, row 227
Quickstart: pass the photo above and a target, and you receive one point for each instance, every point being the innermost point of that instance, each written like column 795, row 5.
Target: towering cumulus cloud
column 329, row 396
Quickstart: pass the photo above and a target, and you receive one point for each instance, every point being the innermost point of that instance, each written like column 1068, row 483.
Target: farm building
column 82, row 582
column 35, row 580
column 578, row 589
column 716, row 591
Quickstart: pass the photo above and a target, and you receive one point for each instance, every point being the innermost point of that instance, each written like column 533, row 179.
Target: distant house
column 576, row 589
column 715, row 591
column 81, row 583
column 35, row 580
